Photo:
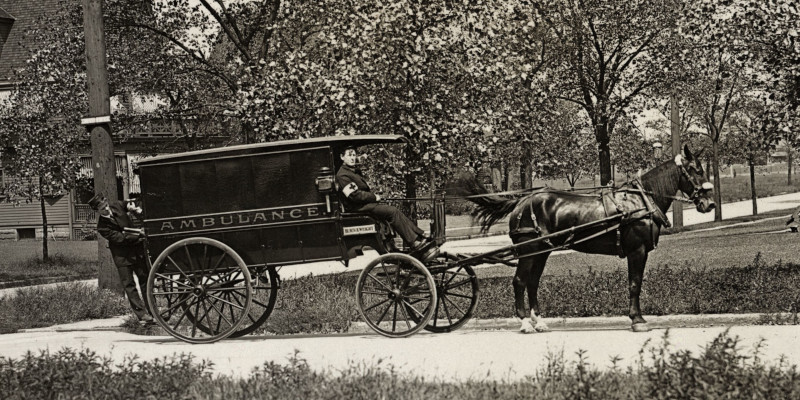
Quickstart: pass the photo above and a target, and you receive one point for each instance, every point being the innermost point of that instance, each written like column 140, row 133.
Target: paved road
column 461, row 355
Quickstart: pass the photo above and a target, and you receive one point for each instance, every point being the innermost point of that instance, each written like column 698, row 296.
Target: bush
column 83, row 374
column 69, row 302
column 326, row 304
column 720, row 371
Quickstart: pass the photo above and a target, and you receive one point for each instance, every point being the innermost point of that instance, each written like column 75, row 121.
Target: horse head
column 693, row 181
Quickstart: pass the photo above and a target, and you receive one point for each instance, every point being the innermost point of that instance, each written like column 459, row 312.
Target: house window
column 26, row 233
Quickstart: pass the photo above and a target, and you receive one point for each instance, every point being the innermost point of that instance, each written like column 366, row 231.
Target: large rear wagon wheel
column 199, row 290
column 396, row 295
column 265, row 292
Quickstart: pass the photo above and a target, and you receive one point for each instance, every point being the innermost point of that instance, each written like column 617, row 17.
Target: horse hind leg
column 520, row 283
column 636, row 263
column 533, row 290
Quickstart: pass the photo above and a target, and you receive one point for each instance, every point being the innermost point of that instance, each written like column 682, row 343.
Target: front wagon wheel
column 396, row 295
column 199, row 290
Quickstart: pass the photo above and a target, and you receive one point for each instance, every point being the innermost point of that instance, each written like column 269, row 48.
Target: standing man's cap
column 95, row 201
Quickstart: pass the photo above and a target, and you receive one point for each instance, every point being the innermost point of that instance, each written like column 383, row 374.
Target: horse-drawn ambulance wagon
column 220, row 222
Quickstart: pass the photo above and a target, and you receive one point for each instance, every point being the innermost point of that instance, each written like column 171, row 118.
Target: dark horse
column 643, row 207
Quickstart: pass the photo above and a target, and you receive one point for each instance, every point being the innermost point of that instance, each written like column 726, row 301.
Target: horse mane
column 662, row 181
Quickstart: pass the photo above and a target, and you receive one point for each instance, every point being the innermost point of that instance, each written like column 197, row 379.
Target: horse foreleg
column 533, row 290
column 636, row 262
column 520, row 283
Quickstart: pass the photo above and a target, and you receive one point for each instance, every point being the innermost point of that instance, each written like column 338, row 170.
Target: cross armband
column 349, row 189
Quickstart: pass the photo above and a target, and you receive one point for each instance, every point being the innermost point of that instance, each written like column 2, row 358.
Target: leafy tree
column 568, row 152
column 631, row 151
column 39, row 128
column 715, row 75
column 755, row 131
column 610, row 54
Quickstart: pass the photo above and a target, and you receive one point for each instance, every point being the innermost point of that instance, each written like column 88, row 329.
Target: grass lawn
column 735, row 246
column 69, row 259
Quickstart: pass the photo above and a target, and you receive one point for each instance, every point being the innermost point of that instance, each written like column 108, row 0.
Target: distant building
column 67, row 216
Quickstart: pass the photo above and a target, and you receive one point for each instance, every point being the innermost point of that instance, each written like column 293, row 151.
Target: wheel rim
column 199, row 290
column 395, row 295
column 457, row 297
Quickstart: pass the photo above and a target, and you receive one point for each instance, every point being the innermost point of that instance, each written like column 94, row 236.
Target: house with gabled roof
column 66, row 215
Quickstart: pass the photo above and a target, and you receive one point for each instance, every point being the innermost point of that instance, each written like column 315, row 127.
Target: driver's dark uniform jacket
column 356, row 197
column 128, row 254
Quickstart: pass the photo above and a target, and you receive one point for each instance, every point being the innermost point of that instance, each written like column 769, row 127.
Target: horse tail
column 490, row 208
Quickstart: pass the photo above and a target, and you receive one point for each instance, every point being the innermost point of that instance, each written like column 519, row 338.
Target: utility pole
column 98, row 123
column 675, row 128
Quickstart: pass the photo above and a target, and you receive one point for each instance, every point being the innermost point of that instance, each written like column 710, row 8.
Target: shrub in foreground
column 720, row 371
column 327, row 303
column 69, row 302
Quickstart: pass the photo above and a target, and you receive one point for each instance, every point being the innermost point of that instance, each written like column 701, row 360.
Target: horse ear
column 687, row 153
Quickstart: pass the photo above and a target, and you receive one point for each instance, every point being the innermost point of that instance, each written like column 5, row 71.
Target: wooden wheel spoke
column 225, row 301
column 447, row 312
column 171, row 293
column 410, row 306
column 221, row 313
column 379, row 282
column 224, row 289
column 183, row 315
column 454, row 305
column 463, row 296
column 458, row 284
column 419, row 298
column 405, row 313
column 384, row 301
column 222, row 257
column 162, row 276
column 365, row 291
column 394, row 318
column 194, row 321
column 205, row 260
column 179, row 268
column 254, row 301
column 188, row 257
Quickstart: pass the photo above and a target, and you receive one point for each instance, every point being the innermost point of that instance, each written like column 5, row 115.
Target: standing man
column 127, row 249
column 356, row 196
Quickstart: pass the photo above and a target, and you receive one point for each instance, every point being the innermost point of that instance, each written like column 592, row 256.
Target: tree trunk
column 507, row 177
column 753, row 186
column 45, row 253
column 410, row 207
column 604, row 153
column 717, row 194
column 789, row 160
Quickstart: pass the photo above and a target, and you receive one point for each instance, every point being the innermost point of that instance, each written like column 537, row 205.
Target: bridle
column 697, row 187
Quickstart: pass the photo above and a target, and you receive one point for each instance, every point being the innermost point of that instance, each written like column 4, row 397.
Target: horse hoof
column 641, row 327
column 526, row 327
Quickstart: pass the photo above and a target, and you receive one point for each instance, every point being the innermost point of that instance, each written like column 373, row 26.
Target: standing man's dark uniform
column 356, row 196
column 127, row 249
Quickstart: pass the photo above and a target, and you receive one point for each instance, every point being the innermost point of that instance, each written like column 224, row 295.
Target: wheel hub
column 199, row 291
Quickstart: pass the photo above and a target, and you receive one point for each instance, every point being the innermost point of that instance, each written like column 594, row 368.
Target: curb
column 22, row 283
column 618, row 323
column 510, row 324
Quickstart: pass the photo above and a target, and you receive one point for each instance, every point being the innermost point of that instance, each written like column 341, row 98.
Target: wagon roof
column 255, row 148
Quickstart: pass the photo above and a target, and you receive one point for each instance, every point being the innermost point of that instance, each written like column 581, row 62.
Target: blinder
column 698, row 188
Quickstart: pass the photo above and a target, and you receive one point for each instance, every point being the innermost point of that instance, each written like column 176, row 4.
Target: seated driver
column 357, row 197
